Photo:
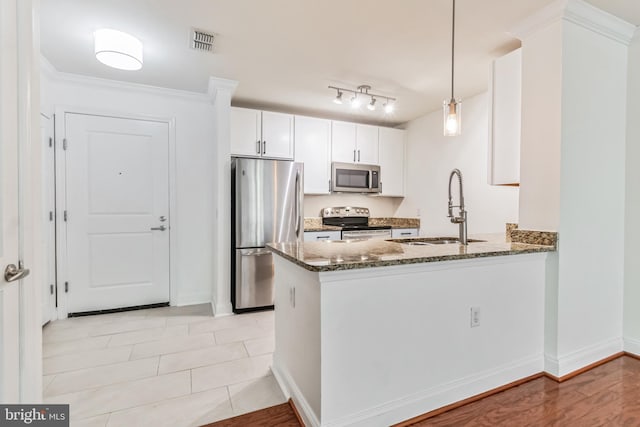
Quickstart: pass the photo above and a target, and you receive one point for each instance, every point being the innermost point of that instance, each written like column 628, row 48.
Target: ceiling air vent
column 202, row 40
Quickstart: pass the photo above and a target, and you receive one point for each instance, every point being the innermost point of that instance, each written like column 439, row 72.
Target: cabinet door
column 313, row 148
column 277, row 135
column 314, row 236
column 245, row 132
column 392, row 162
column 367, row 144
column 343, row 142
column 504, row 124
column 400, row 233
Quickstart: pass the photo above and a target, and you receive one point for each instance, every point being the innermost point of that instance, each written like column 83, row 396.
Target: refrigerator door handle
column 297, row 212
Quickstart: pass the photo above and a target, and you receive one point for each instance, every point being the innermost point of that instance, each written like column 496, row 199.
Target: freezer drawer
column 254, row 278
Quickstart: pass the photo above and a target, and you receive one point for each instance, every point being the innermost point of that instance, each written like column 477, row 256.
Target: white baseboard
column 291, row 390
column 411, row 406
column 191, row 298
column 586, row 356
column 632, row 346
column 221, row 308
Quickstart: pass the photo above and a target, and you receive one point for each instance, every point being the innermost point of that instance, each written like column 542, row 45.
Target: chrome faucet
column 461, row 220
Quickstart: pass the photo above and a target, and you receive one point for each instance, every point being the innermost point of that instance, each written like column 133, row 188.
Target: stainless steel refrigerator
column 266, row 207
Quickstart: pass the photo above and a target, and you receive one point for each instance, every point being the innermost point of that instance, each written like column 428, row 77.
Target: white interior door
column 117, row 212
column 11, row 143
column 48, row 221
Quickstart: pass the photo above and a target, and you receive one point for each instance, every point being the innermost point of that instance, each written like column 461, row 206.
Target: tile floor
column 170, row 366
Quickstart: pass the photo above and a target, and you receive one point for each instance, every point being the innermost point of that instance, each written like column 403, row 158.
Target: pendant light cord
column 453, row 39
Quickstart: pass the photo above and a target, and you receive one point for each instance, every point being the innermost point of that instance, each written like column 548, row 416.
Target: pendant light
column 452, row 109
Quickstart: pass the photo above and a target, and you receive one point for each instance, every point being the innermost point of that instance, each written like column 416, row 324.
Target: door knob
column 13, row 273
column 161, row 228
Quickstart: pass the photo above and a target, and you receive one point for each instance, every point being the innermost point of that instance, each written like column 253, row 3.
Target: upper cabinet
column 391, row 155
column 256, row 133
column 313, row 148
column 504, row 119
column 354, row 143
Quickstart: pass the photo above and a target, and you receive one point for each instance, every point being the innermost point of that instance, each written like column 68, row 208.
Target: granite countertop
column 355, row 254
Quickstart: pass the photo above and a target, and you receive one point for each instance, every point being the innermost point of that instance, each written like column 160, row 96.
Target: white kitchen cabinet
column 277, row 135
column 256, row 133
column 354, row 143
column 504, row 119
column 367, row 144
column 400, row 233
column 246, row 132
column 313, row 148
column 391, row 156
column 314, row 236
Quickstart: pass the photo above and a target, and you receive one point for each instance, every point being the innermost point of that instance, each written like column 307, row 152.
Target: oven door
column 354, row 178
column 366, row 234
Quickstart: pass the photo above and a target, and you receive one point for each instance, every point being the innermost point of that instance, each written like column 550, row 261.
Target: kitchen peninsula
column 376, row 332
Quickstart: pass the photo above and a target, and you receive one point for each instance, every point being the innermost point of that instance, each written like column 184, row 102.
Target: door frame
column 61, row 196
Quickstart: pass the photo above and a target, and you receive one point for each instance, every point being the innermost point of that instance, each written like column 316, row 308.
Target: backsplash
column 378, row 206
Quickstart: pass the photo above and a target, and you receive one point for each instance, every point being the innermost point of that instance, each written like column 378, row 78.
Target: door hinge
column 64, row 144
column 51, row 289
column 65, row 216
column 50, row 142
column 50, row 215
column 66, row 286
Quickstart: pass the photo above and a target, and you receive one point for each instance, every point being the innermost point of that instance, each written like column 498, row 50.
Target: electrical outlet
column 475, row 316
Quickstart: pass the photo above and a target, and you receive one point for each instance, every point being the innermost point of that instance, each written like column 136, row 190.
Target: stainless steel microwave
column 355, row 178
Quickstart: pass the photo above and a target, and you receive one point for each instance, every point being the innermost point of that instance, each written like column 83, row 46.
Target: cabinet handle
column 354, row 156
column 322, row 237
column 405, row 234
column 329, row 186
column 358, row 155
column 258, row 146
column 264, row 147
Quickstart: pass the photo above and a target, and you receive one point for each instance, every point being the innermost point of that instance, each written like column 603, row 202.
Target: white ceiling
column 284, row 53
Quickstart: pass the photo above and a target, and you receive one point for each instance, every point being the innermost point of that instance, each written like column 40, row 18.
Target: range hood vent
column 202, row 40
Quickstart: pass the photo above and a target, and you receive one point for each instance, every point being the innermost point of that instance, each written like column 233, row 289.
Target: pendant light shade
column 118, row 50
column 452, row 108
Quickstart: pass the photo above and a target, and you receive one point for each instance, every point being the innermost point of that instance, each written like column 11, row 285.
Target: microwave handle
column 370, row 179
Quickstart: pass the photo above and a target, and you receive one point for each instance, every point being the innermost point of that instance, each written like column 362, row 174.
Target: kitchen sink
column 428, row 241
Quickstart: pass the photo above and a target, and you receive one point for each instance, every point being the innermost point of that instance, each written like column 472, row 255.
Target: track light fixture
column 359, row 93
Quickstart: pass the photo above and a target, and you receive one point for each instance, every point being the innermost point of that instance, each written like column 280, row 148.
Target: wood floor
column 608, row 395
column 279, row 415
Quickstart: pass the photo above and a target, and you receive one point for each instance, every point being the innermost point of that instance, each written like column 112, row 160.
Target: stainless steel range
column 355, row 223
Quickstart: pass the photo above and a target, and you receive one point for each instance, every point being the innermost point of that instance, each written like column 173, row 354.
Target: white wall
column 540, row 143
column 632, row 203
column 378, row 206
column 573, row 147
column 195, row 160
column 592, row 195
column 430, row 157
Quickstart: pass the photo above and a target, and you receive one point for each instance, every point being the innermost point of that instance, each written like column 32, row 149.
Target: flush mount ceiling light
column 118, row 50
column 452, row 109
column 361, row 92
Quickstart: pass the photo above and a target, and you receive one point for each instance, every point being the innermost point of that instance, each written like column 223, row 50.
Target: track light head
column 338, row 98
column 355, row 101
column 388, row 107
column 372, row 105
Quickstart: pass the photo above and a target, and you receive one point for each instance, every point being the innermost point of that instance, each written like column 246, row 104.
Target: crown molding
column 580, row 13
column 217, row 84
column 57, row 76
